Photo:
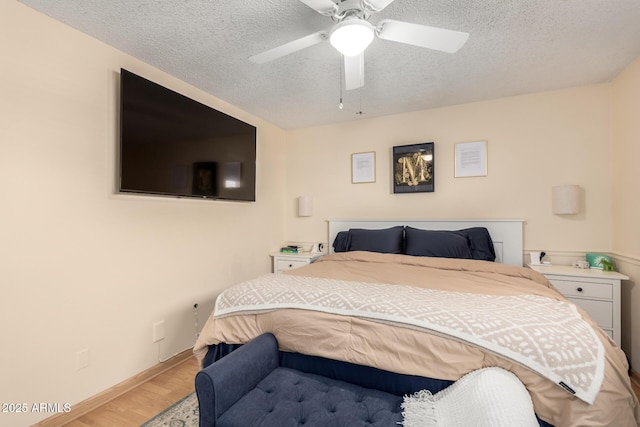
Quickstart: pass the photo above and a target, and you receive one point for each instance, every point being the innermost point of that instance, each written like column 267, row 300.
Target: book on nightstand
column 291, row 249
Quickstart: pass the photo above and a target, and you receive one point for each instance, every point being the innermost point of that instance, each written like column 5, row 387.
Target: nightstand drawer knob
column 580, row 290
column 291, row 265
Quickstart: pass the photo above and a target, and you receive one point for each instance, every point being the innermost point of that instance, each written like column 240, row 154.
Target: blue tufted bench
column 249, row 388
column 257, row 385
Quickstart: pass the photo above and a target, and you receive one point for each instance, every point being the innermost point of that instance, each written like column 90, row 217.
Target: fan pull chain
column 360, row 93
column 340, row 105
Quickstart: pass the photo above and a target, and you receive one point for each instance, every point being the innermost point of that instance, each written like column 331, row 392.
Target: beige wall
column 626, row 152
column 626, row 200
column 534, row 142
column 80, row 266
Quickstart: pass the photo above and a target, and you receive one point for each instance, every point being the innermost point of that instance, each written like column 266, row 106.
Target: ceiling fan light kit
column 352, row 36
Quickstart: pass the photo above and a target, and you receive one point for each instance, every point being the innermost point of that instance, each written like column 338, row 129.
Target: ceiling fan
column 352, row 33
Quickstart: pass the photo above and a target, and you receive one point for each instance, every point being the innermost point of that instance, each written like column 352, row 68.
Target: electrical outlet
column 158, row 331
column 83, row 358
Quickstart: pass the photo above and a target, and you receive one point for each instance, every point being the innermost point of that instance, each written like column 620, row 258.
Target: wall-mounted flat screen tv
column 171, row 145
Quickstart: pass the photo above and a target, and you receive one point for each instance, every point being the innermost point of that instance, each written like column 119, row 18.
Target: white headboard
column 505, row 233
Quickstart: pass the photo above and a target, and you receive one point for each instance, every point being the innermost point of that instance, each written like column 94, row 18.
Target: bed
column 435, row 299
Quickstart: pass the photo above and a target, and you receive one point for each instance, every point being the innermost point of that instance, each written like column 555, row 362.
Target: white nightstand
column 597, row 292
column 283, row 261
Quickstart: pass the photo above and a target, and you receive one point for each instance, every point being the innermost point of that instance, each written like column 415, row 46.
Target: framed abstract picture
column 413, row 168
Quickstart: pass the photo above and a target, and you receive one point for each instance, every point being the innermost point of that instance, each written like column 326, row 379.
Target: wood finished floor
column 145, row 401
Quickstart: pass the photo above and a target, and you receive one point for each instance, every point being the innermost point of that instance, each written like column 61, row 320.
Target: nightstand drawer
column 600, row 311
column 285, row 262
column 290, row 264
column 583, row 289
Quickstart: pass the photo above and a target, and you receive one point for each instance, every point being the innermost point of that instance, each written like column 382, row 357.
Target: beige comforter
column 410, row 351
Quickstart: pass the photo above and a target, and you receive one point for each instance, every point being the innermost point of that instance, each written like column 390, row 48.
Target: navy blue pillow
column 436, row 243
column 341, row 242
column 480, row 243
column 387, row 240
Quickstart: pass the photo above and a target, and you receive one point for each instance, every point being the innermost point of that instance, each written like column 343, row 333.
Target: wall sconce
column 566, row 200
column 305, row 206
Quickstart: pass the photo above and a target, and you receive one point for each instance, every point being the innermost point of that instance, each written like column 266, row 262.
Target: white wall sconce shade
column 305, row 206
column 566, row 200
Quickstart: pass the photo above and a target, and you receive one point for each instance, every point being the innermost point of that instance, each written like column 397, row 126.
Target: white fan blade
column 325, row 7
column 353, row 71
column 288, row 48
column 421, row 35
column 376, row 5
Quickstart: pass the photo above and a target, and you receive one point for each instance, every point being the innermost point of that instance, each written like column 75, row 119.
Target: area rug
column 181, row 414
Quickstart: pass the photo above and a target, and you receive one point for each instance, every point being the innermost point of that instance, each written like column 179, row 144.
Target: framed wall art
column 471, row 159
column 413, row 168
column 363, row 167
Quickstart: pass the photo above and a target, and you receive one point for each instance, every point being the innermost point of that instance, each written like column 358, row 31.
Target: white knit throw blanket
column 489, row 397
column 545, row 335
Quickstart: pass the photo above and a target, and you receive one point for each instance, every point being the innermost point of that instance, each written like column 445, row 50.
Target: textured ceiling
column 515, row 47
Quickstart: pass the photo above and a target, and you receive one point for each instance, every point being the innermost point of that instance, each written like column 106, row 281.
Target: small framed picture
column 363, row 167
column 413, row 168
column 470, row 159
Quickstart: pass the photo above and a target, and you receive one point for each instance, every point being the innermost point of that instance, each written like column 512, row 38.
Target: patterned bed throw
column 489, row 397
column 547, row 336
